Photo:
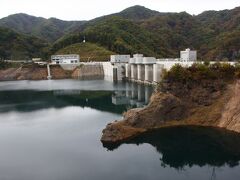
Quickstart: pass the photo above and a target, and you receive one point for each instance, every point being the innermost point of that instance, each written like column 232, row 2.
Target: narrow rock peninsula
column 201, row 95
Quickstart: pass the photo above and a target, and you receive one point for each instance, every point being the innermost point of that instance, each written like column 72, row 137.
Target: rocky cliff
column 202, row 102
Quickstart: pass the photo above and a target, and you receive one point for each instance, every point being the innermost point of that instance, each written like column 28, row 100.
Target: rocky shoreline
column 206, row 103
column 33, row 72
column 36, row 72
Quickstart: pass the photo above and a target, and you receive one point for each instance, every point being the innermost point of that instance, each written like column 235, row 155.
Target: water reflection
column 136, row 95
column 51, row 130
column 116, row 101
column 188, row 146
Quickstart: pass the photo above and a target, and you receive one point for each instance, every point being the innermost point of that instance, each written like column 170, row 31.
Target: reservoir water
column 51, row 130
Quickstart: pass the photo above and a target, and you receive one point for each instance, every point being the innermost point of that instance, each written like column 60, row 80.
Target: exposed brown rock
column 120, row 131
column 59, row 73
column 206, row 103
column 230, row 117
column 33, row 72
column 171, row 107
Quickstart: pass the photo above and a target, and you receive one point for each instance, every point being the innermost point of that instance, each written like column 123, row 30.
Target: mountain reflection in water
column 116, row 101
column 51, row 130
column 188, row 146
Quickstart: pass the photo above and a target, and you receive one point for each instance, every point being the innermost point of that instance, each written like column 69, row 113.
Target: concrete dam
column 138, row 68
column 89, row 71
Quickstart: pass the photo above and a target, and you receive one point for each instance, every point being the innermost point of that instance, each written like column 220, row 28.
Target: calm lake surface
column 51, row 130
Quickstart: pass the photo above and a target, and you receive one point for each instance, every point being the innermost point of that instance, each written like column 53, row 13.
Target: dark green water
column 50, row 130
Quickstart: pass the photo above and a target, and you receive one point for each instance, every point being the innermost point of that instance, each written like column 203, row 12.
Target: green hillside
column 20, row 47
column 177, row 30
column 222, row 34
column 48, row 29
column 140, row 30
column 87, row 52
column 215, row 34
column 118, row 35
column 137, row 13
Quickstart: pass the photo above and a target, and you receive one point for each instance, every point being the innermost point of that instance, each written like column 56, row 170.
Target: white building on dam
column 146, row 69
column 124, row 67
column 67, row 61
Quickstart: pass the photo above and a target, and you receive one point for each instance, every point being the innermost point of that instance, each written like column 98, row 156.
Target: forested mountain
column 87, row 51
column 21, row 47
column 47, row 29
column 137, row 13
column 222, row 35
column 215, row 34
column 118, row 35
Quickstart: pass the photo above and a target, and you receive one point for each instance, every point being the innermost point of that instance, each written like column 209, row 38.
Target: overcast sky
column 89, row 9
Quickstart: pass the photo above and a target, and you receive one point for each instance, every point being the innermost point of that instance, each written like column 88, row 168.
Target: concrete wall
column 140, row 72
column 120, row 71
column 108, row 71
column 114, row 72
column 168, row 59
column 149, row 60
column 69, row 67
column 89, row 71
column 128, row 71
column 138, row 60
column 157, row 72
column 134, row 72
column 120, row 58
column 149, row 73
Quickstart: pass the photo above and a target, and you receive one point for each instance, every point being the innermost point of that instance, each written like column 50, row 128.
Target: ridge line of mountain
column 215, row 34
